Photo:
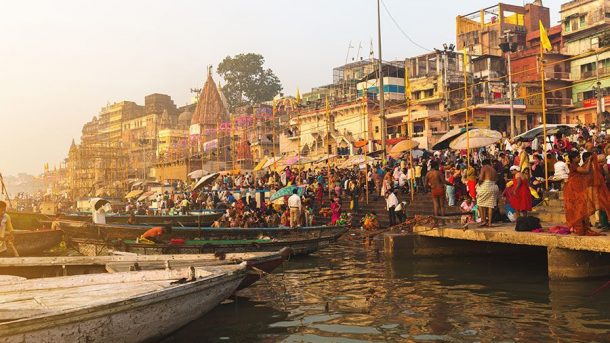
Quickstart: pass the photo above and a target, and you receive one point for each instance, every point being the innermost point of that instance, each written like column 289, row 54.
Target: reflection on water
column 350, row 294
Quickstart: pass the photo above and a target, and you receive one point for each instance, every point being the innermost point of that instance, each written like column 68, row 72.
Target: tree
column 247, row 82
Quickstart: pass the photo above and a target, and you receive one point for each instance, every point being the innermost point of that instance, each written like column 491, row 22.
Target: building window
column 581, row 24
column 568, row 26
column 376, row 129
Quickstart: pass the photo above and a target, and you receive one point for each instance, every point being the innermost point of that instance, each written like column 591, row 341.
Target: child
column 467, row 208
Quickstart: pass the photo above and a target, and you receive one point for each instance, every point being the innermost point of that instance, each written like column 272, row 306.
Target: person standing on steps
column 294, row 203
column 391, row 203
column 487, row 192
column 436, row 180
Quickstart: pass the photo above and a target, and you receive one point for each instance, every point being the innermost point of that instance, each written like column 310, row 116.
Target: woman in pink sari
column 335, row 208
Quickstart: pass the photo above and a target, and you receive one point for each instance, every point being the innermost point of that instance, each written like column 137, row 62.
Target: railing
column 591, row 73
column 559, row 102
column 557, row 75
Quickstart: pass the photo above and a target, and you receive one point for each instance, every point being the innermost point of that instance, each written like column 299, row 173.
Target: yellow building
column 172, row 142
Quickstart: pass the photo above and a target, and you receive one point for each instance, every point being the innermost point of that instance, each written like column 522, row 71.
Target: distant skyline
column 63, row 60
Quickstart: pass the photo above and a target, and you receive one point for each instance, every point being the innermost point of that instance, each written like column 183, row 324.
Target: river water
column 349, row 293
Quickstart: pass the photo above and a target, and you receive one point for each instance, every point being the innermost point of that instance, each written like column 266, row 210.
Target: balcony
column 558, row 75
column 559, row 102
column 592, row 73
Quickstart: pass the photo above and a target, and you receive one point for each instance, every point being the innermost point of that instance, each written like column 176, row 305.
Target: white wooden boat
column 137, row 306
column 52, row 266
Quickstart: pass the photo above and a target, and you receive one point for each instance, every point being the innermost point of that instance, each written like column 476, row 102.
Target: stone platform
column 569, row 256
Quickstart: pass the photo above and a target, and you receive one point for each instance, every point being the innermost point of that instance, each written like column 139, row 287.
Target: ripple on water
column 347, row 294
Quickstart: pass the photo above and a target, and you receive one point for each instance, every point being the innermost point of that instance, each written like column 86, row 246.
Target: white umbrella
column 356, row 160
column 206, row 180
column 96, row 203
column 476, row 138
column 271, row 161
column 197, row 174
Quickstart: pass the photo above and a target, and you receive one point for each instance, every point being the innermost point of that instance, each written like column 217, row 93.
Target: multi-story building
column 586, row 35
column 436, row 79
column 526, row 80
column 481, row 32
column 141, row 129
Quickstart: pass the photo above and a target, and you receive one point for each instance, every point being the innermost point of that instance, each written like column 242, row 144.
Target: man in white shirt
column 99, row 215
column 294, row 203
column 391, row 203
column 402, row 179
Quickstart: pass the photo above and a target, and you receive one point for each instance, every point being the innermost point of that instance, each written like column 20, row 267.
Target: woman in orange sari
column 585, row 192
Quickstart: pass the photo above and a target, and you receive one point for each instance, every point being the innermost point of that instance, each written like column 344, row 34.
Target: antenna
column 358, row 53
column 350, row 46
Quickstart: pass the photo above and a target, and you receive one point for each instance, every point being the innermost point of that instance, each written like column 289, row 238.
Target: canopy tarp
column 206, row 180
column 286, row 191
column 551, row 129
column 260, row 164
column 133, row 194
column 477, row 138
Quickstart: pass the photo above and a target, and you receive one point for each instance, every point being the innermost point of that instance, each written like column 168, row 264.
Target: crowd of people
column 500, row 182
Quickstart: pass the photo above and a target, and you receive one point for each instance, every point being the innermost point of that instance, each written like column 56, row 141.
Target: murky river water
column 347, row 293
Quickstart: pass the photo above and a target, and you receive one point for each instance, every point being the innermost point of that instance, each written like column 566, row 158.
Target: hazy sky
column 61, row 61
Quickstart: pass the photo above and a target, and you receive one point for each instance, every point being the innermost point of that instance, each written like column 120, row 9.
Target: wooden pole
column 218, row 146
column 465, row 64
column 232, row 144
column 364, row 124
column 328, row 145
column 274, row 136
column 546, row 172
column 408, row 101
column 299, row 145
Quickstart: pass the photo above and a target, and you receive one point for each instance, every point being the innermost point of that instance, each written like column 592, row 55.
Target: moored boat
column 297, row 245
column 76, row 229
column 36, row 267
column 34, row 242
column 200, row 219
column 121, row 307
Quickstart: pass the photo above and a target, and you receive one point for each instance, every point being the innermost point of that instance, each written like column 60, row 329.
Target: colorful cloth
column 521, row 200
column 584, row 194
column 487, row 194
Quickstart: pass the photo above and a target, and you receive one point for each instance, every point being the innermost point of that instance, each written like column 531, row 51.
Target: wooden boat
column 33, row 234
column 34, row 242
column 121, row 307
column 201, row 219
column 75, row 229
column 297, row 245
column 36, row 267
column 28, row 220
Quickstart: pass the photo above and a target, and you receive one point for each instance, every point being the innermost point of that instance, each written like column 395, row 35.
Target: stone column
column 566, row 264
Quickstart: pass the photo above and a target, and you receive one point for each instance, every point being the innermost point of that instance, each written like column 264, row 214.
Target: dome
column 185, row 118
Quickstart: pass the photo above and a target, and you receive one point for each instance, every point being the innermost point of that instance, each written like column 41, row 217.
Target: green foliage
column 247, row 82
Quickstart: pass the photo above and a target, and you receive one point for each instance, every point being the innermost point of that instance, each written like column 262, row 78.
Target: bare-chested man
column 436, row 181
column 487, row 192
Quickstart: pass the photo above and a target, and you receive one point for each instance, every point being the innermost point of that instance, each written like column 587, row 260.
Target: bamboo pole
column 465, row 61
column 218, row 146
column 546, row 172
column 273, row 110
column 328, row 146
column 364, row 123
column 408, row 101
